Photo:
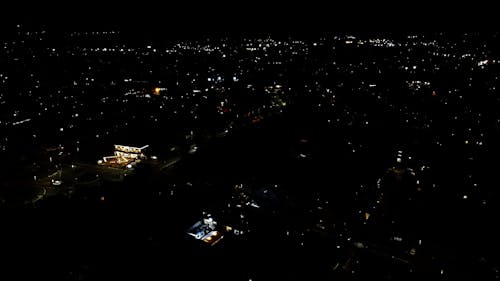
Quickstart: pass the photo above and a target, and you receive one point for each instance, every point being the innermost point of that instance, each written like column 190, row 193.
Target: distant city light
column 248, row 118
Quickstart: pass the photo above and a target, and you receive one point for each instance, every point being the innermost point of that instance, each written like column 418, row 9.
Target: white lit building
column 124, row 156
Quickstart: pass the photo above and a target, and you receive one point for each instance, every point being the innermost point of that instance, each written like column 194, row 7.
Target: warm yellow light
column 367, row 216
column 157, row 91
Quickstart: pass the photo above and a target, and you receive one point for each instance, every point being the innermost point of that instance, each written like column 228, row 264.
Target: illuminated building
column 124, row 156
column 205, row 230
